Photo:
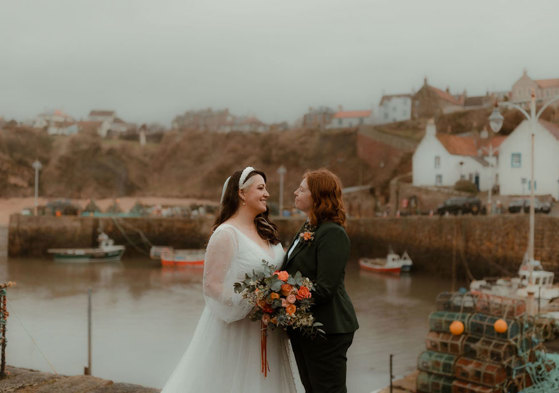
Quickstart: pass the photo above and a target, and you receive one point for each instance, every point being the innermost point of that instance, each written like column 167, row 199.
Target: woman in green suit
column 320, row 252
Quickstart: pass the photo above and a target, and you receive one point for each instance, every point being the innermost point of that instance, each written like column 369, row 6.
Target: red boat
column 184, row 258
column 392, row 264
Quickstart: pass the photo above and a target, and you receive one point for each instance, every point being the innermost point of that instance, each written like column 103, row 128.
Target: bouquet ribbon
column 263, row 350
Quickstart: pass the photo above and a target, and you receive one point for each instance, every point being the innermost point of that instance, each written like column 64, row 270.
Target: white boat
column 533, row 282
column 106, row 252
column 155, row 252
column 393, row 263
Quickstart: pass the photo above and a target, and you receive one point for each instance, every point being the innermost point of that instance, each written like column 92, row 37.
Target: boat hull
column 92, row 255
column 378, row 268
column 183, row 258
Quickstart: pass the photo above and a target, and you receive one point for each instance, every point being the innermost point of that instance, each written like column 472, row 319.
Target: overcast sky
column 152, row 60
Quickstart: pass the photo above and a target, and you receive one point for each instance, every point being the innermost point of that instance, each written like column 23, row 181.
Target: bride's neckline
column 269, row 252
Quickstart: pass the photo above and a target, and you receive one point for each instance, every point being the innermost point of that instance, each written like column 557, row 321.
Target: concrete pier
column 32, row 381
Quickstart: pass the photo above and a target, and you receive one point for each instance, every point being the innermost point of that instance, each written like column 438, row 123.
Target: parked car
column 461, row 205
column 516, row 205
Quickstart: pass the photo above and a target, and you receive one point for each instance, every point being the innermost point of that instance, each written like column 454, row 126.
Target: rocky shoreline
column 33, row 381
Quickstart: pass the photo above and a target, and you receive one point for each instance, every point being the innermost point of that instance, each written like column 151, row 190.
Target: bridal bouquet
column 280, row 300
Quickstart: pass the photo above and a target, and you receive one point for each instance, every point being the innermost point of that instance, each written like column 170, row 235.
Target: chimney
column 340, row 108
column 431, row 129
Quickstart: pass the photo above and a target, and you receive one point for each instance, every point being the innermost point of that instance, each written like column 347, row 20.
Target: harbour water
column 144, row 317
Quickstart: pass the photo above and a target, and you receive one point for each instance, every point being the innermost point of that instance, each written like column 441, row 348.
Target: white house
column 514, row 162
column 443, row 159
column 392, row 108
column 346, row 119
column 544, row 89
column 56, row 122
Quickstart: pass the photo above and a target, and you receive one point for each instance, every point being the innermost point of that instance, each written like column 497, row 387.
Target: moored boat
column 533, row 283
column 183, row 258
column 394, row 263
column 106, row 252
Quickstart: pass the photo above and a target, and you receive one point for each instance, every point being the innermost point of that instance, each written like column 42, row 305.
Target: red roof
column 352, row 114
column 101, row 113
column 552, row 128
column 545, row 83
column 445, row 96
column 495, row 142
column 458, row 145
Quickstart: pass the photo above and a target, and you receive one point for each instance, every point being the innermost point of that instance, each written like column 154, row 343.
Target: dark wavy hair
column 230, row 204
column 326, row 193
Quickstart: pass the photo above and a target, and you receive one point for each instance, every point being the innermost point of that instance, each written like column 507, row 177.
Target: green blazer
column 323, row 260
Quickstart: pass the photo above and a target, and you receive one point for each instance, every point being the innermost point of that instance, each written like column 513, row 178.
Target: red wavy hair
column 326, row 192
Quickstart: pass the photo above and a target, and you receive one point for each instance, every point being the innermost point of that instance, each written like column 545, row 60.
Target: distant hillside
column 195, row 164
column 191, row 164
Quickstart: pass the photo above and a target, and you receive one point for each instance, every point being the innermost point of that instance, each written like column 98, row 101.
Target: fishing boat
column 183, row 258
column 156, row 251
column 393, row 263
column 106, row 252
column 533, row 283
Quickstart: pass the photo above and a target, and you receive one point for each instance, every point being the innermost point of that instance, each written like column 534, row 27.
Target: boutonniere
column 307, row 234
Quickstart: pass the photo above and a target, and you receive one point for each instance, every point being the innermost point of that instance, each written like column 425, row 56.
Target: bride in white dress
column 224, row 354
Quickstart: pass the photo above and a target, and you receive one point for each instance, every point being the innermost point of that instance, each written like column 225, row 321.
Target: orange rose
column 286, row 289
column 307, row 236
column 261, row 304
column 283, row 275
column 274, row 295
column 274, row 320
column 303, row 293
column 291, row 309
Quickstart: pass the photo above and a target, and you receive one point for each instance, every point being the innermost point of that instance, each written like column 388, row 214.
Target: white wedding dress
column 224, row 354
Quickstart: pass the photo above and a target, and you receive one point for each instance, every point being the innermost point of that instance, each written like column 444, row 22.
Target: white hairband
column 242, row 179
column 224, row 188
column 244, row 176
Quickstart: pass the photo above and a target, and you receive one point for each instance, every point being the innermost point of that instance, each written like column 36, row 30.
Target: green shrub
column 466, row 186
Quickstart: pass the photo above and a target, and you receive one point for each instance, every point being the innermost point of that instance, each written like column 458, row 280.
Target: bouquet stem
column 263, row 348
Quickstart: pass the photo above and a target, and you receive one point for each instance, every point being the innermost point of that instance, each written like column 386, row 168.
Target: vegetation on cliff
column 183, row 164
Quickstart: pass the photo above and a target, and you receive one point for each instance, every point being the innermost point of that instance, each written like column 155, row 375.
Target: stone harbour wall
column 484, row 245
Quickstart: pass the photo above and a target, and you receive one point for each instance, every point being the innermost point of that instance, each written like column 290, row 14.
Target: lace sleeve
column 219, row 277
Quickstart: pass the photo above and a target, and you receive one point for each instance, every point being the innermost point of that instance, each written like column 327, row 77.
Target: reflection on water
column 144, row 316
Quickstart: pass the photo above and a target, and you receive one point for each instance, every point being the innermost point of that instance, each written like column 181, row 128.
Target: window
column 437, row 162
column 516, row 160
column 360, row 122
column 439, row 180
column 339, row 122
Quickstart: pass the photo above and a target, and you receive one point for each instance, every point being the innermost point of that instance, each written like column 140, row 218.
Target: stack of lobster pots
column 473, row 356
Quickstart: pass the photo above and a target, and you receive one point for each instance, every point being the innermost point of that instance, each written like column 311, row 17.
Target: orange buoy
column 457, row 328
column 500, row 326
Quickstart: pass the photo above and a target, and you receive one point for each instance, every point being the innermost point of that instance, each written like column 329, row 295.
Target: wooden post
column 87, row 370
column 391, row 376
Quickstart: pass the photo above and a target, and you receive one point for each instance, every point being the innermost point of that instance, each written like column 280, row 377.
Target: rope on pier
column 121, row 229
column 12, row 311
